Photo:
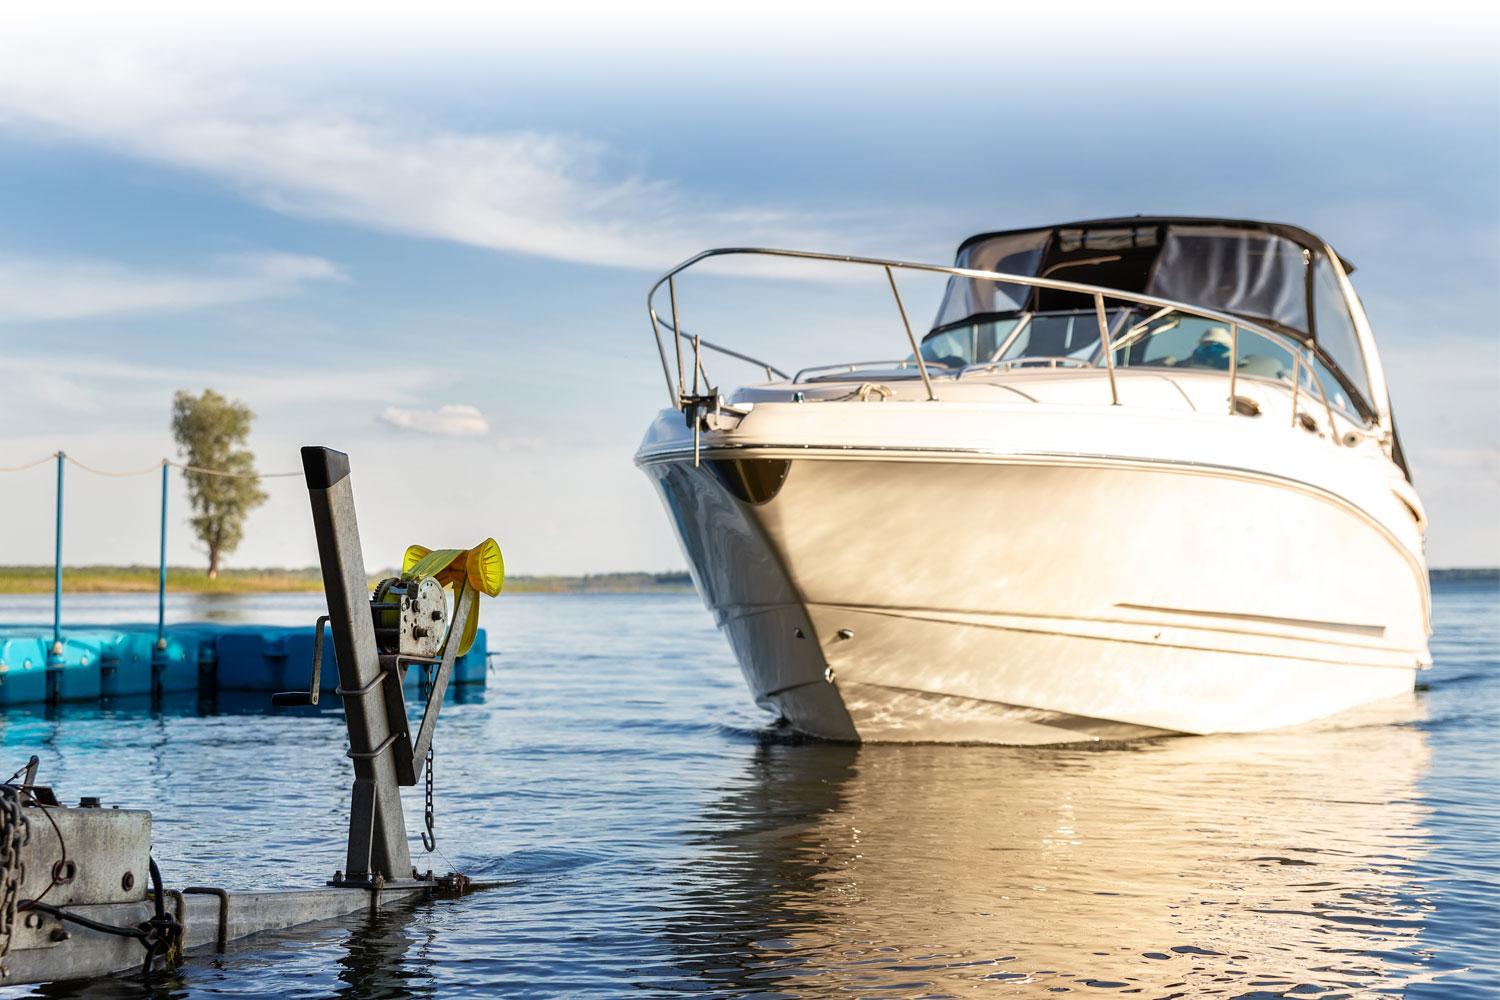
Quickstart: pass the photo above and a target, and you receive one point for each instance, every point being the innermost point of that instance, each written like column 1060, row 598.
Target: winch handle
column 293, row 699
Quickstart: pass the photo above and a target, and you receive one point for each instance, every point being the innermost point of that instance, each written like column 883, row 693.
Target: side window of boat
column 1182, row 342
column 951, row 347
column 1335, row 333
column 1195, row 342
column 1171, row 344
column 1067, row 334
column 1337, row 396
column 1263, row 358
column 989, row 336
column 968, row 345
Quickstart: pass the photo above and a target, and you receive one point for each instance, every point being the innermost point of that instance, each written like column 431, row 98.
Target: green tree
column 211, row 432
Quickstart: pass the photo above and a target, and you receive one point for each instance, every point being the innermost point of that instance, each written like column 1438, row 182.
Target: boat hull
column 1034, row 599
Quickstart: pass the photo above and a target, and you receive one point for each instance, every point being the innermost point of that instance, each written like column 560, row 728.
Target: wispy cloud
column 91, row 383
column 548, row 195
column 36, row 289
column 452, row 420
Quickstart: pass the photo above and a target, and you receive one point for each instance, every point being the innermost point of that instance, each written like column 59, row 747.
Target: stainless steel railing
column 1301, row 353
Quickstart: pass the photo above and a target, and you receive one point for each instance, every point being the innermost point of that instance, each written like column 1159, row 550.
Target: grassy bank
column 141, row 579
column 192, row 580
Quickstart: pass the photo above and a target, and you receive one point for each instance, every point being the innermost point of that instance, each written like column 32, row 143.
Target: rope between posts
column 29, row 465
column 117, row 475
column 227, row 474
column 128, row 473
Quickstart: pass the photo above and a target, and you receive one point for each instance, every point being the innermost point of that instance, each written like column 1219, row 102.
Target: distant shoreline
column 1481, row 574
column 192, row 580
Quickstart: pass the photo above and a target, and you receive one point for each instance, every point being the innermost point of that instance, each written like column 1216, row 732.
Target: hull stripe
column 937, row 618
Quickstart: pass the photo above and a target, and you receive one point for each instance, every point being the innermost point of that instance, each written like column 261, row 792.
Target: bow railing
column 685, row 385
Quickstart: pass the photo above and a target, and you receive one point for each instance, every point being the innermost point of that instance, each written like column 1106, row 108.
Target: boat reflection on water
column 1235, row 865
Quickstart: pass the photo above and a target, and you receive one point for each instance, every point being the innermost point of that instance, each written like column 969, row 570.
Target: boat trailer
column 81, row 896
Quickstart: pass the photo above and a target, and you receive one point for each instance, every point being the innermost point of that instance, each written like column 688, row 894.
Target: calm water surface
column 655, row 836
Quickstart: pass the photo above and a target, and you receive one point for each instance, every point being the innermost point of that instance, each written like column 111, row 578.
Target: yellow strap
column 481, row 567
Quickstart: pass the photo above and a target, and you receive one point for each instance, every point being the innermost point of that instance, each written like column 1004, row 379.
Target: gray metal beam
column 377, row 839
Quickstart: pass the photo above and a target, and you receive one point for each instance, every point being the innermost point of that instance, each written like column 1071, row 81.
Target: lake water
column 654, row 836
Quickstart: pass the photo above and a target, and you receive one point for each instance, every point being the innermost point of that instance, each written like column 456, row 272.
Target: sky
column 426, row 240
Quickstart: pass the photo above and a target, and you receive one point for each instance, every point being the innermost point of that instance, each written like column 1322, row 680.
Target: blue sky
column 426, row 241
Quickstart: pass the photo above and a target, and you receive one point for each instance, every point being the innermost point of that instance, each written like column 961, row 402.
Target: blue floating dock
column 110, row 661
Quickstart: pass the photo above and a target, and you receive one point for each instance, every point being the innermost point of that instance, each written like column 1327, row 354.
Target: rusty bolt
column 127, row 881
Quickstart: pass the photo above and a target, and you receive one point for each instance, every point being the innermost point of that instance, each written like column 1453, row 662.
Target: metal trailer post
column 377, row 828
column 54, row 655
column 161, row 567
column 159, row 651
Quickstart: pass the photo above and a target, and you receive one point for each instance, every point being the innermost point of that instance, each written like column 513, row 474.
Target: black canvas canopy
column 1273, row 274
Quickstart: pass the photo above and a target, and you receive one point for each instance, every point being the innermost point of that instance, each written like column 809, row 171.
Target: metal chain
column 13, row 833
column 429, row 839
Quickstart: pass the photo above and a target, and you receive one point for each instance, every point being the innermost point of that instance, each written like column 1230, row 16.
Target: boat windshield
column 1282, row 280
column 1141, row 339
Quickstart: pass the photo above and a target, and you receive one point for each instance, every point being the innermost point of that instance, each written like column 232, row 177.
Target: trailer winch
column 410, row 616
column 81, row 896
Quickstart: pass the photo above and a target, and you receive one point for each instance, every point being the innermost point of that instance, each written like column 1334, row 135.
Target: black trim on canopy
column 1302, row 237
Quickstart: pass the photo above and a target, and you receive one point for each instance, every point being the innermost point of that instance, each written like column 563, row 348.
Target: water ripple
column 652, row 835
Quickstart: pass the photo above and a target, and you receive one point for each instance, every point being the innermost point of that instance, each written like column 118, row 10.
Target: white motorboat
column 1140, row 477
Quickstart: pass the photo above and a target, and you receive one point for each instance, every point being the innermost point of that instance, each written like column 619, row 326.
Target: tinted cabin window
column 1111, row 258
column 1178, row 341
column 1253, row 274
column 966, row 345
column 1059, row 335
column 1019, row 254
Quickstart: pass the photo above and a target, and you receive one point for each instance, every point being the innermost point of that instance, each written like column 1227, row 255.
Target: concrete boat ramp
column 47, row 948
